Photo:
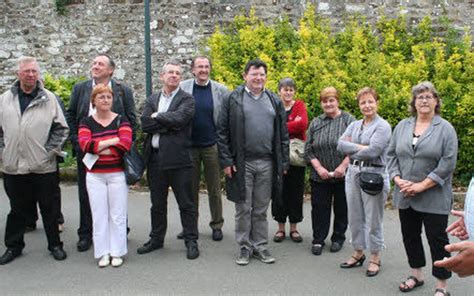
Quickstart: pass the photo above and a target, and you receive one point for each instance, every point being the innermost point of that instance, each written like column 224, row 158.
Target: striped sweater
column 91, row 132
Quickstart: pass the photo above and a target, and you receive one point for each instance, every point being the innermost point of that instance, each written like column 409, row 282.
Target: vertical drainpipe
column 147, row 49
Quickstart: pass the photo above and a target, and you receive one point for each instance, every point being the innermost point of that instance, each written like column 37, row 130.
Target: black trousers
column 435, row 229
column 24, row 190
column 293, row 191
column 85, row 215
column 180, row 180
column 323, row 196
column 57, row 199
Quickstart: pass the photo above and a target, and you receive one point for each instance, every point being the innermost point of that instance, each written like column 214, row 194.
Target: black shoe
column 83, row 244
column 371, row 273
column 58, row 253
column 148, row 247
column 358, row 262
column 180, row 235
column 335, row 247
column 30, row 228
column 317, row 249
column 217, row 235
column 9, row 256
column 193, row 250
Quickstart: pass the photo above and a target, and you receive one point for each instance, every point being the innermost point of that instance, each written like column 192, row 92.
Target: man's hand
column 230, row 170
column 463, row 262
column 340, row 171
column 458, row 227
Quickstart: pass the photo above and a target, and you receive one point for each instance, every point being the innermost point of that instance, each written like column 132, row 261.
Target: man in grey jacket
column 208, row 95
column 32, row 132
column 253, row 150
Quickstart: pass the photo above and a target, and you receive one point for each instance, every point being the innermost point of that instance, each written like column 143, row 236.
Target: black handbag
column 133, row 163
column 371, row 183
column 134, row 166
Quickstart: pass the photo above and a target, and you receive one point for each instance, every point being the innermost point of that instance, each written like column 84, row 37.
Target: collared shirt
column 92, row 108
column 163, row 105
column 205, row 84
column 25, row 98
column 252, row 95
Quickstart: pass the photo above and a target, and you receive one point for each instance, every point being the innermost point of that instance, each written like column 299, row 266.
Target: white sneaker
column 117, row 261
column 104, row 261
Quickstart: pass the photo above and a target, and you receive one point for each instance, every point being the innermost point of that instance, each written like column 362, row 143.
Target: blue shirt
column 204, row 130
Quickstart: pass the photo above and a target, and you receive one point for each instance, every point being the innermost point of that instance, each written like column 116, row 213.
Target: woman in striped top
column 109, row 136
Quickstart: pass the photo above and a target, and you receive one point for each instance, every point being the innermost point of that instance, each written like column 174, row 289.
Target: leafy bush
column 390, row 56
column 61, row 86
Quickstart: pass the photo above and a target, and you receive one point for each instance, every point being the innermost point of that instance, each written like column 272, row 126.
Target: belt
column 365, row 163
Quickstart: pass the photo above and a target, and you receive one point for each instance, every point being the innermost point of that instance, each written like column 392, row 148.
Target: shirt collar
column 205, row 84
column 171, row 95
column 94, row 83
column 253, row 95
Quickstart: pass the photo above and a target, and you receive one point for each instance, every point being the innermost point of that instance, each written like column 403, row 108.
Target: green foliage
column 61, row 86
column 61, row 6
column 391, row 56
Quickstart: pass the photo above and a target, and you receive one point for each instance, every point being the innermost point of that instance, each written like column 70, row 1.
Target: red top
column 91, row 133
column 297, row 128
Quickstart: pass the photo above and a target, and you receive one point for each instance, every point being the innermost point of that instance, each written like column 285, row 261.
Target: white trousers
column 108, row 199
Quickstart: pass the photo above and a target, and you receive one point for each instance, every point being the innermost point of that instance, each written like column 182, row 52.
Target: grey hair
column 25, row 60
column 286, row 82
column 421, row 88
column 170, row 62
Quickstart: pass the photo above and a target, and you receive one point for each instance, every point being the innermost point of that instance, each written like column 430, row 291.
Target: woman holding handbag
column 366, row 141
column 105, row 137
column 293, row 181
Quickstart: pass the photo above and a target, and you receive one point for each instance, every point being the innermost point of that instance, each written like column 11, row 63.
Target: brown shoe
column 279, row 236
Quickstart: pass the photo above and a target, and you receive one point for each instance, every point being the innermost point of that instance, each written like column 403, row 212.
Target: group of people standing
column 198, row 125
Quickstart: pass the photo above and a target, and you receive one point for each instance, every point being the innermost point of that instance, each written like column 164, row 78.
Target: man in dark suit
column 167, row 120
column 80, row 107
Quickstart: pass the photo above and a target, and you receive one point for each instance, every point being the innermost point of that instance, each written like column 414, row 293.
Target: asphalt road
column 168, row 272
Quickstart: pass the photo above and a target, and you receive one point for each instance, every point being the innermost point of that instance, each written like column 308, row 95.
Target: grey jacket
column 219, row 92
column 30, row 142
column 376, row 135
column 434, row 156
column 231, row 144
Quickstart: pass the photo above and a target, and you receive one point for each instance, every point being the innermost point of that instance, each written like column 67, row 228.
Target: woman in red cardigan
column 104, row 137
column 293, row 181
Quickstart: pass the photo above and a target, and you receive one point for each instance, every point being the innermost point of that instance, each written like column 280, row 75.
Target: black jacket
column 80, row 101
column 174, row 127
column 231, row 143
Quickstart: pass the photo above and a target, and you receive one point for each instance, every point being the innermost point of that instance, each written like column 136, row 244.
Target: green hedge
column 389, row 56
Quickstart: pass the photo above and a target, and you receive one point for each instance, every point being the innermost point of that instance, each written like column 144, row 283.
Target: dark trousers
column 24, row 190
column 435, row 229
column 85, row 214
column 293, row 191
column 56, row 198
column 180, row 180
column 323, row 195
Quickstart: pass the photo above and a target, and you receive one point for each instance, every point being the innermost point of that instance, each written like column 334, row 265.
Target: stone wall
column 65, row 45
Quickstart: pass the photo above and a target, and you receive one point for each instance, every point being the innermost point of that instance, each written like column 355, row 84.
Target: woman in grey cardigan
column 366, row 142
column 422, row 158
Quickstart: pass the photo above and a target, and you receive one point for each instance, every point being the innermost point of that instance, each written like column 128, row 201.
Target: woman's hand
column 418, row 187
column 458, row 227
column 106, row 151
column 340, row 171
column 463, row 262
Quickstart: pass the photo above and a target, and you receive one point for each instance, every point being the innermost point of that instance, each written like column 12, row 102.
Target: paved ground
column 167, row 271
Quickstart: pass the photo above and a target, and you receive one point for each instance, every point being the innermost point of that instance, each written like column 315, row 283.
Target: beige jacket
column 30, row 142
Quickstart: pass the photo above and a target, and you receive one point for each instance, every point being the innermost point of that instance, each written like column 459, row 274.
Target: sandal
column 296, row 236
column 279, row 236
column 371, row 273
column 442, row 291
column 407, row 288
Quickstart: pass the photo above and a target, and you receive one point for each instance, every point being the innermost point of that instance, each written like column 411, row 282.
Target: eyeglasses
column 427, row 97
